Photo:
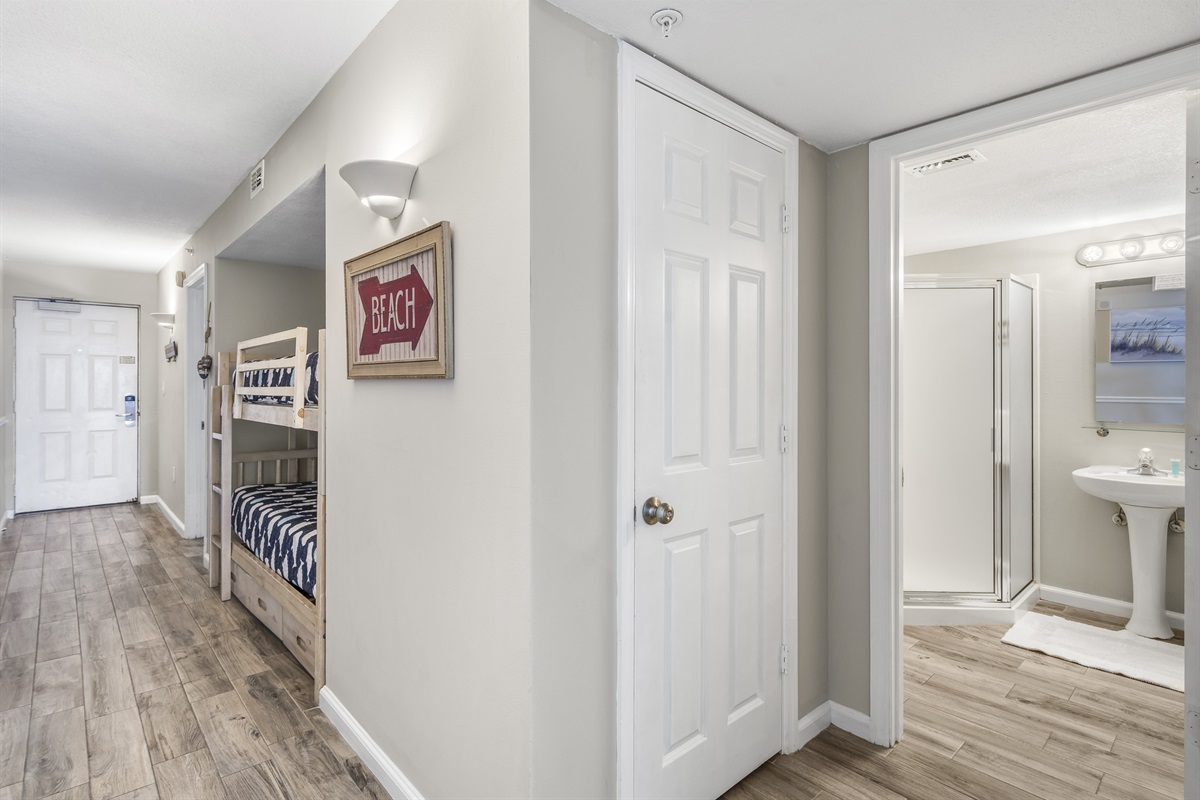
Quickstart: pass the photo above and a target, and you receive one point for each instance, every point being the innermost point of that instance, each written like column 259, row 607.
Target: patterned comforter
column 278, row 522
column 282, row 376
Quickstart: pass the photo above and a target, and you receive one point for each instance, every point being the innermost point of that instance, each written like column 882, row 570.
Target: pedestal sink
column 1148, row 502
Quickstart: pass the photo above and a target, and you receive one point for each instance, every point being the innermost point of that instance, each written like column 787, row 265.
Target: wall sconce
column 381, row 185
column 1138, row 248
column 164, row 320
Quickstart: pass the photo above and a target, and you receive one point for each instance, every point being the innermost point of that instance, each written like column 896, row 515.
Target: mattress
column 278, row 522
column 282, row 376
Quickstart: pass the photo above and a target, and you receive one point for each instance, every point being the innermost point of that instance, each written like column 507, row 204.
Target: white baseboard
column 852, row 722
column 382, row 767
column 1105, row 605
column 813, row 723
column 176, row 522
column 968, row 615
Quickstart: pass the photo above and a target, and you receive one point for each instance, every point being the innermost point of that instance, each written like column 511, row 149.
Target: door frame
column 195, row 439
column 1170, row 71
column 635, row 67
column 137, row 329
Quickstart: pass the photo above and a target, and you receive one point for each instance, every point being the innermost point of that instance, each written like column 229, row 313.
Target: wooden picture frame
column 400, row 310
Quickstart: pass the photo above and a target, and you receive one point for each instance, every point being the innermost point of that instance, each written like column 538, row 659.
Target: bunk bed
column 267, row 538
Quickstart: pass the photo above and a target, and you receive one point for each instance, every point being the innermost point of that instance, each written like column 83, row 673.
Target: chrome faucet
column 1146, row 464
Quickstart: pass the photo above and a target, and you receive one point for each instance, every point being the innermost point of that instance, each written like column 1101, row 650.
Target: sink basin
column 1116, row 484
column 1148, row 502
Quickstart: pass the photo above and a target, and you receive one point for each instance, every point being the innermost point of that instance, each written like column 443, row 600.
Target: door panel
column 708, row 372
column 950, row 468
column 75, row 365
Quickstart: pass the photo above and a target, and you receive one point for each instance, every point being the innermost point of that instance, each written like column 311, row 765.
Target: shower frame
column 1003, row 594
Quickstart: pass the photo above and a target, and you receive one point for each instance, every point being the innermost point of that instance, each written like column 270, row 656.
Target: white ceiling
column 842, row 72
column 1114, row 165
column 124, row 124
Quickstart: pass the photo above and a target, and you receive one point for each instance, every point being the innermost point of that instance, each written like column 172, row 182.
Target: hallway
column 123, row 675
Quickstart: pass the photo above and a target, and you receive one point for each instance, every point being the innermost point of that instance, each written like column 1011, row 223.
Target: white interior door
column 950, row 429
column 708, row 337
column 76, row 369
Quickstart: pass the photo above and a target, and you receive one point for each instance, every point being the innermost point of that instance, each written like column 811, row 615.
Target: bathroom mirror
column 1140, row 328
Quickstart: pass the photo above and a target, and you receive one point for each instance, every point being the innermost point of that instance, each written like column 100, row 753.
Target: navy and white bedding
column 278, row 522
column 282, row 376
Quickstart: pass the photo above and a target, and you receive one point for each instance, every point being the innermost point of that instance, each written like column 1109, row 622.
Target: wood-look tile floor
column 123, row 675
column 987, row 721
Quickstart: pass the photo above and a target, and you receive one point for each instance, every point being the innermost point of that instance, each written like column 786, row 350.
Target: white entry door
column 76, row 378
column 708, row 252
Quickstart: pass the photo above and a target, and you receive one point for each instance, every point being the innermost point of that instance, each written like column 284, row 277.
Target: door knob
column 655, row 511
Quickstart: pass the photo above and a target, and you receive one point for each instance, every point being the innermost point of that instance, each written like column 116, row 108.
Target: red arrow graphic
column 396, row 311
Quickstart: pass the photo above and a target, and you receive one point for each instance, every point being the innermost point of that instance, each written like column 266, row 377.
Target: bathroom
column 1017, row 211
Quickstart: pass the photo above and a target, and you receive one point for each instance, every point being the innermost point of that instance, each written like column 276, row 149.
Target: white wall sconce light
column 1138, row 248
column 164, row 320
column 383, row 186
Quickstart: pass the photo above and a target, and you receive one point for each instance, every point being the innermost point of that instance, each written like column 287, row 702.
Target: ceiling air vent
column 943, row 164
column 258, row 177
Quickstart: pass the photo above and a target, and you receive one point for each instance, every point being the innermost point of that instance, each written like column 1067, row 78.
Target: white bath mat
column 1120, row 651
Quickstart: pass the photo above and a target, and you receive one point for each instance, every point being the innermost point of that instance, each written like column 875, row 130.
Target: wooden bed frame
column 298, row 621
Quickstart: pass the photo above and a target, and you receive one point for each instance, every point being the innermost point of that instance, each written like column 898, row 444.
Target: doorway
column 75, row 404
column 1164, row 73
column 195, row 408
column 708, row 383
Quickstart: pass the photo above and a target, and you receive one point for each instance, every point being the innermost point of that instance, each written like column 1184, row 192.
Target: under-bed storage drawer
column 256, row 599
column 299, row 639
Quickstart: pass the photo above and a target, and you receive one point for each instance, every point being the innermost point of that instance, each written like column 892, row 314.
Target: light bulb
column 1091, row 254
column 1131, row 249
column 1171, row 244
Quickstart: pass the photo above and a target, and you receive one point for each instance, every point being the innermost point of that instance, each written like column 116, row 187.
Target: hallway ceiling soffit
column 125, row 124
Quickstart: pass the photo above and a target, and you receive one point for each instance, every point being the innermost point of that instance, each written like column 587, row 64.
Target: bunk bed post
column 226, row 492
column 319, row 589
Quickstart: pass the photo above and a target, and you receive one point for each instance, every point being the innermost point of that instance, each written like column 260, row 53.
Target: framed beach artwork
column 1141, row 335
column 400, row 307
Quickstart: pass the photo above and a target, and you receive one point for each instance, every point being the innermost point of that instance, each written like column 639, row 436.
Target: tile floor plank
column 117, row 759
column 150, row 665
column 14, row 737
column 191, row 776
column 16, row 682
column 260, row 782
column 271, row 706
column 169, row 723
column 57, row 686
column 57, row 758
column 107, row 686
column 311, row 771
column 233, row 739
column 101, row 638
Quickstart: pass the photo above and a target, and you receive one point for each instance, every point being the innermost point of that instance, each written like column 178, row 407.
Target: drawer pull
column 261, row 604
column 301, row 644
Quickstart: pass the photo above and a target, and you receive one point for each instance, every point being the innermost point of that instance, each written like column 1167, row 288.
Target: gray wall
column 847, row 385
column 573, row 231
column 102, row 286
column 1081, row 549
column 810, row 439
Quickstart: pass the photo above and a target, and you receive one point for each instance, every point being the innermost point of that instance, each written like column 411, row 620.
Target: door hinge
column 785, row 221
column 783, row 659
column 784, row 441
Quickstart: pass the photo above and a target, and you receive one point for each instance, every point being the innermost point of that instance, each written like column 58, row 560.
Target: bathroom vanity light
column 382, row 186
column 1138, row 248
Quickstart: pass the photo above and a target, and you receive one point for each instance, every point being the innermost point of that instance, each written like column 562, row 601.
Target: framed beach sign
column 400, row 310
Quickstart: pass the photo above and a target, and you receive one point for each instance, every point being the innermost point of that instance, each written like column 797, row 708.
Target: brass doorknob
column 655, row 511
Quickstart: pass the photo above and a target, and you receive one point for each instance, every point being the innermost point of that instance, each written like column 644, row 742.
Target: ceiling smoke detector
column 943, row 164
column 666, row 20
